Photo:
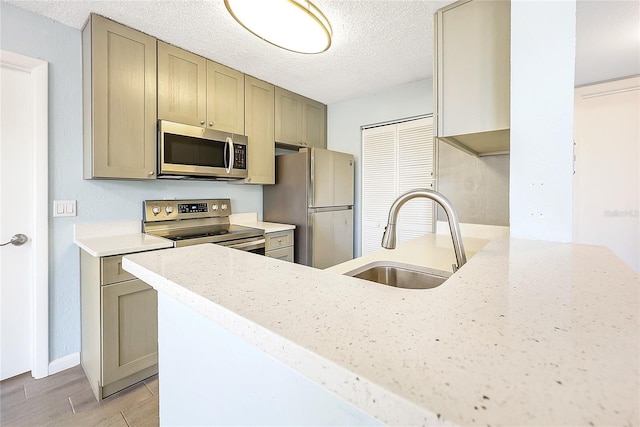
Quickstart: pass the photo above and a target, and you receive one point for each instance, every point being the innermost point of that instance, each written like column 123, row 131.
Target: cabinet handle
column 201, row 122
column 210, row 124
column 151, row 173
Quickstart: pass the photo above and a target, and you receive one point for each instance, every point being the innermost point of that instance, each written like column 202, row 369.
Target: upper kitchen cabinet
column 259, row 125
column 314, row 123
column 472, row 75
column 196, row 91
column 119, row 101
column 300, row 121
column 182, row 86
column 225, row 98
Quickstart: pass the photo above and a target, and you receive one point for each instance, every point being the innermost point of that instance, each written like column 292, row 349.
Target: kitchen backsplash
column 478, row 187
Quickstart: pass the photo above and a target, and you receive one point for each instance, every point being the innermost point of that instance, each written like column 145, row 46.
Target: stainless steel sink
column 400, row 275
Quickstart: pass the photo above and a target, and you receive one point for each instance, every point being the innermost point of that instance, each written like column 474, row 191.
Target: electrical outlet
column 64, row 208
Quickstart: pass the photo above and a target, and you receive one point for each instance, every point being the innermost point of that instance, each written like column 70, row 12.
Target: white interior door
column 607, row 179
column 23, row 307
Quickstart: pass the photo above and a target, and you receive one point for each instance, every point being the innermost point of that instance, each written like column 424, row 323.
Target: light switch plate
column 64, row 208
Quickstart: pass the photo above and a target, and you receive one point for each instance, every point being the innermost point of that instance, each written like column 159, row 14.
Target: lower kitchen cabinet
column 279, row 245
column 119, row 325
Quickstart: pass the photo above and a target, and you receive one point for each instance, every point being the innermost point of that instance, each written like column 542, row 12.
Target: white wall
column 606, row 194
column 98, row 201
column 542, row 80
column 344, row 120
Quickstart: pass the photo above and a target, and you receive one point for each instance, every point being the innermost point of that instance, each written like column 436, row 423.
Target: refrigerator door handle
column 330, row 208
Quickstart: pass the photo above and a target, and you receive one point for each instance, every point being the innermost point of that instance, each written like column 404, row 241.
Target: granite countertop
column 116, row 238
column 251, row 220
column 526, row 333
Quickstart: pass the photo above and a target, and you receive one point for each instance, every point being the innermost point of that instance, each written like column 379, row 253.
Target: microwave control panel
column 240, row 156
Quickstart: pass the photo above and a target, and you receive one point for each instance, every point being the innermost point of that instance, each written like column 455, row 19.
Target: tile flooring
column 66, row 399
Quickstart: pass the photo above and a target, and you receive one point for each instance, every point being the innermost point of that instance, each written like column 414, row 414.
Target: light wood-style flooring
column 65, row 399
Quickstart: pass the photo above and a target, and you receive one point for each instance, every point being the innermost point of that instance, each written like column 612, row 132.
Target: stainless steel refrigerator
column 314, row 191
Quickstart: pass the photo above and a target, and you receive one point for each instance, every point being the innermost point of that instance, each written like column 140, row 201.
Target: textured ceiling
column 377, row 43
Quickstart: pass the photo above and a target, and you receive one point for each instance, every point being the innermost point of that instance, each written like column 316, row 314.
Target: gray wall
column 345, row 119
column 98, row 201
column 478, row 187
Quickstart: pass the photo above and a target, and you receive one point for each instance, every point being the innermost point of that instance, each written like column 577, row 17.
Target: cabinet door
column 259, row 126
column 289, row 116
column 473, row 74
column 315, row 123
column 225, row 98
column 119, row 67
column 129, row 329
column 182, row 85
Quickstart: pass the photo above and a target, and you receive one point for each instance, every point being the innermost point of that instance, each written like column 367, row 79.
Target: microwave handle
column 231, row 155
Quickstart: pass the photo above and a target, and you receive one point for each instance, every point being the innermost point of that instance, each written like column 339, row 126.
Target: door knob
column 16, row 240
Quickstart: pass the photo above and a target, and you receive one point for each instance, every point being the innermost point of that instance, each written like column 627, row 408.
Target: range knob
column 223, row 207
column 168, row 210
column 214, row 207
column 155, row 210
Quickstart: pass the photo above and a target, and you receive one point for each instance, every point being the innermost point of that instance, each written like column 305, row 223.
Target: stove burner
column 201, row 234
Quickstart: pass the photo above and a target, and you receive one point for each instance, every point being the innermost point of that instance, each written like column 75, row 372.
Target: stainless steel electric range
column 196, row 221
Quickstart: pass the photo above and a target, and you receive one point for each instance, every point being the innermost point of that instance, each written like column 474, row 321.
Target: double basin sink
column 400, row 275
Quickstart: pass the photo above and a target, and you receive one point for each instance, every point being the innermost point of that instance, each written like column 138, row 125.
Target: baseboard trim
column 65, row 362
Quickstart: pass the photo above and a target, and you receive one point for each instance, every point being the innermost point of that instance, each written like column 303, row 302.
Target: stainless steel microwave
column 186, row 151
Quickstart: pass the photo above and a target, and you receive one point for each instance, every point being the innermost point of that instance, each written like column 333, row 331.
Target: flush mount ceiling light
column 295, row 25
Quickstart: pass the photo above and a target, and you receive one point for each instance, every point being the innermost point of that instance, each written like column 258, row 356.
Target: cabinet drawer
column 278, row 240
column 285, row 254
column 112, row 271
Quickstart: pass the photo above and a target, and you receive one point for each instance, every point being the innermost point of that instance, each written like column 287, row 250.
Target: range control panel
column 163, row 210
column 193, row 208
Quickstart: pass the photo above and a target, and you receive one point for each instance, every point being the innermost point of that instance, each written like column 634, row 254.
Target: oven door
column 248, row 245
column 186, row 150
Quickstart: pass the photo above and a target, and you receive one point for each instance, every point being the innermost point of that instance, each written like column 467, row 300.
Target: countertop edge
column 137, row 242
column 365, row 394
column 501, row 262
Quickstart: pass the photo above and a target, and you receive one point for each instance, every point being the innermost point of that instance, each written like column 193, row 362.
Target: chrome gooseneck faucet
column 389, row 236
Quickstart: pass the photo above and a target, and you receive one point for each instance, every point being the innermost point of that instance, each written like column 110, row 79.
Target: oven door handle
column 247, row 246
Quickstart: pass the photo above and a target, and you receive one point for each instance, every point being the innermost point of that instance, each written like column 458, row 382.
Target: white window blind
column 396, row 158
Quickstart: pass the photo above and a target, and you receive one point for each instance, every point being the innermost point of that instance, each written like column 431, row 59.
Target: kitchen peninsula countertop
column 115, row 238
column 526, row 333
column 251, row 220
